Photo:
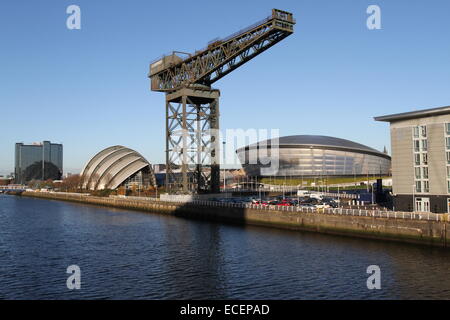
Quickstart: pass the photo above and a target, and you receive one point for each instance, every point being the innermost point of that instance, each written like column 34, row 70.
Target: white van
column 316, row 196
column 302, row 193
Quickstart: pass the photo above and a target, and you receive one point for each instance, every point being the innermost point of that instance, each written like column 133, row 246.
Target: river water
column 131, row 255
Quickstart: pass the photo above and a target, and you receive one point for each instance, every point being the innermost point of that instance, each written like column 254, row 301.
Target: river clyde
column 131, row 255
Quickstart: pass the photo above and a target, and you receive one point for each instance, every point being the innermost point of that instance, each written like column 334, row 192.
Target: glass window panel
column 424, row 145
column 425, row 172
column 418, row 186
column 424, row 158
column 417, row 159
column 417, row 170
column 426, row 186
column 423, row 131
column 416, row 146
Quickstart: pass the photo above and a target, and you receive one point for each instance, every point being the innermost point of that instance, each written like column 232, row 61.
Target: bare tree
column 72, row 183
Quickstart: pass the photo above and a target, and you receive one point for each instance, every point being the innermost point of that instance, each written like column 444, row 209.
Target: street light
column 371, row 187
column 339, row 198
column 223, row 165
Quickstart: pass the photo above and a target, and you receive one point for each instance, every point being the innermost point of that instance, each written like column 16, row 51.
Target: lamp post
column 339, row 198
column 371, row 187
column 223, row 165
column 260, row 196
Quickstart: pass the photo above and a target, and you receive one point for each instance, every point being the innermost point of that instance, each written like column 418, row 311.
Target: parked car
column 311, row 201
column 308, row 206
column 285, row 203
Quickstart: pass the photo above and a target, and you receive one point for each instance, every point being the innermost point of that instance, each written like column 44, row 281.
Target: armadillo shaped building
column 116, row 166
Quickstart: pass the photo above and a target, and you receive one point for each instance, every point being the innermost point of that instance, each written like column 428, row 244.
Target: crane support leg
column 192, row 140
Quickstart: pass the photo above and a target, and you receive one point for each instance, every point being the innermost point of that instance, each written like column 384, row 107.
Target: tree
column 71, row 183
column 34, row 171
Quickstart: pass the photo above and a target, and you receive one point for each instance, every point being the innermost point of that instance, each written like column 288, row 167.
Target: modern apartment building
column 420, row 145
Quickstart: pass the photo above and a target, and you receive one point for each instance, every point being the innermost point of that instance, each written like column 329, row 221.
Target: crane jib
column 221, row 56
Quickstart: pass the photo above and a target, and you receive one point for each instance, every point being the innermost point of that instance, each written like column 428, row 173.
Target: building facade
column 117, row 166
column 313, row 156
column 420, row 143
column 38, row 161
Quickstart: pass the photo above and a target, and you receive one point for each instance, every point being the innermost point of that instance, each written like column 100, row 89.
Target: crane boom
column 206, row 66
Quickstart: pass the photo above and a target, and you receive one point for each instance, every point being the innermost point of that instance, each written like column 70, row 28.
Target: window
column 423, row 131
column 425, row 172
column 447, row 128
column 448, row 186
column 416, row 132
column 417, row 146
column 422, row 204
column 417, row 169
column 424, row 158
column 419, row 186
column 447, row 143
column 424, row 145
column 448, row 157
column 426, row 186
column 417, row 158
column 448, row 172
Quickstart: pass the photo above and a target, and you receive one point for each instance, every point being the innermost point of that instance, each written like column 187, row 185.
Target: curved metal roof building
column 112, row 166
column 311, row 155
column 321, row 142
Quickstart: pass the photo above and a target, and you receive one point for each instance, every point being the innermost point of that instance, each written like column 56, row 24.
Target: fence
column 332, row 211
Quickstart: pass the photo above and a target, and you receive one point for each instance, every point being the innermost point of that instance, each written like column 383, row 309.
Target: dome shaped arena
column 311, row 156
column 117, row 166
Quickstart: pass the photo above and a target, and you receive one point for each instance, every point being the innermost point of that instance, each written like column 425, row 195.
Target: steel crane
column 192, row 106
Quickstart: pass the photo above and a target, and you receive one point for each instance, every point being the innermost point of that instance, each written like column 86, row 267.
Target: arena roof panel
column 313, row 140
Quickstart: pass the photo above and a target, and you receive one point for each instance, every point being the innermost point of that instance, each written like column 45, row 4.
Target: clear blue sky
column 89, row 90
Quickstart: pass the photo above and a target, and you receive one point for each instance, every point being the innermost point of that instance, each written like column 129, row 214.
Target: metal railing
column 428, row 216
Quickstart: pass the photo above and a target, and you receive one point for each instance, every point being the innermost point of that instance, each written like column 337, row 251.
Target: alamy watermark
column 374, row 280
column 73, row 21
column 237, row 146
column 374, row 20
column 74, row 280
